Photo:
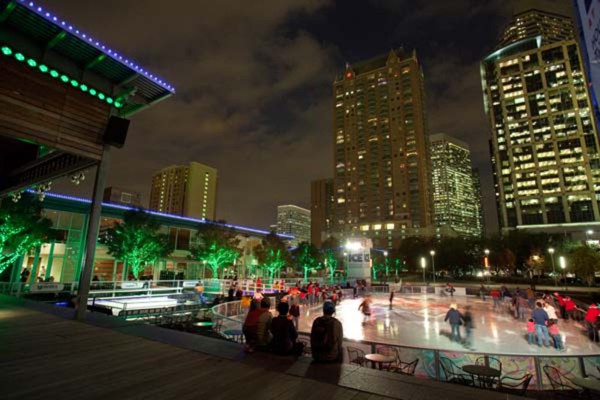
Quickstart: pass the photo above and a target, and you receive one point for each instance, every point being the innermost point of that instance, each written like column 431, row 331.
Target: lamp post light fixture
column 423, row 265
column 563, row 265
column 551, row 252
column 432, row 254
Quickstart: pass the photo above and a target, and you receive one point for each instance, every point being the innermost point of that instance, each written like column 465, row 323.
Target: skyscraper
column 455, row 202
column 381, row 160
column 479, row 196
column 187, row 190
column 321, row 210
column 544, row 138
column 294, row 220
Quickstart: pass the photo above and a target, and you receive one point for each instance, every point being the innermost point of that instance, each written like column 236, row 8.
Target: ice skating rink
column 418, row 320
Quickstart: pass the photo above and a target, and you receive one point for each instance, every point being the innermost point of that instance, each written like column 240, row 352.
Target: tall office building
column 381, row 150
column 188, row 190
column 544, row 138
column 479, row 196
column 294, row 220
column 321, row 210
column 455, row 202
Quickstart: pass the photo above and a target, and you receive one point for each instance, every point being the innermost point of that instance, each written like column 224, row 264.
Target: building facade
column 61, row 259
column 321, row 210
column 544, row 143
column 455, row 202
column 121, row 196
column 477, row 184
column 381, row 150
column 294, row 220
column 188, row 190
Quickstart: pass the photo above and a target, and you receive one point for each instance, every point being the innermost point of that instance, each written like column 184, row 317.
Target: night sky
column 254, row 83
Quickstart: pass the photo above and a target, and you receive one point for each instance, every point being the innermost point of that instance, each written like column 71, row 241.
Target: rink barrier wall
column 231, row 317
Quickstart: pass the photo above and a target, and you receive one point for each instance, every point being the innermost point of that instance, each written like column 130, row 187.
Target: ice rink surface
column 418, row 320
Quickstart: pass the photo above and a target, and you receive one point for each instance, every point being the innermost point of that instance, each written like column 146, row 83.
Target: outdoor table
column 235, row 333
column 587, row 383
column 485, row 375
column 380, row 359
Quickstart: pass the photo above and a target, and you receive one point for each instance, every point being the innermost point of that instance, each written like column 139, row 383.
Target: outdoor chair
column 356, row 356
column 452, row 374
column 493, row 362
column 386, row 350
column 559, row 382
column 516, row 386
column 406, row 368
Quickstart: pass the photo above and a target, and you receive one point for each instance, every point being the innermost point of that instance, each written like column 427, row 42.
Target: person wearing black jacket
column 455, row 318
column 284, row 333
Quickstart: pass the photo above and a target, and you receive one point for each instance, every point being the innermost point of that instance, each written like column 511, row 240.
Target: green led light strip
column 7, row 51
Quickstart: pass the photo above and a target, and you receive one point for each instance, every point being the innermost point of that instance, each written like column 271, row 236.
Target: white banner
column 46, row 287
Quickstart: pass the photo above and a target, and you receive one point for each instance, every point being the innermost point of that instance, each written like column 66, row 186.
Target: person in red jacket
column 495, row 295
column 570, row 307
column 590, row 322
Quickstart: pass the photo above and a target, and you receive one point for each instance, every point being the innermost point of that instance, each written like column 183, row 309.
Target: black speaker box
column 116, row 131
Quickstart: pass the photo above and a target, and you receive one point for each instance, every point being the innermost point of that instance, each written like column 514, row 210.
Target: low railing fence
column 231, row 316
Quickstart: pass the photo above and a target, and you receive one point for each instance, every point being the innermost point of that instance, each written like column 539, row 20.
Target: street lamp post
column 563, row 265
column 551, row 252
column 432, row 253
column 423, row 265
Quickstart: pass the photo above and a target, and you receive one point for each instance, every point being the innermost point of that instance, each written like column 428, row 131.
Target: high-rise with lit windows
column 294, row 220
column 455, row 201
column 187, row 190
column 544, row 141
column 381, row 150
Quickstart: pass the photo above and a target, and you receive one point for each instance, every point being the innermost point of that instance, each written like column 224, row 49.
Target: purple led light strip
column 200, row 221
column 88, row 39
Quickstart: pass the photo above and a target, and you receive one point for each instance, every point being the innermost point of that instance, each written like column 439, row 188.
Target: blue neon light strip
column 99, row 46
column 177, row 217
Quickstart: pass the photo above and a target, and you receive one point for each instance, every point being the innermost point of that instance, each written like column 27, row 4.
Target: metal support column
column 92, row 236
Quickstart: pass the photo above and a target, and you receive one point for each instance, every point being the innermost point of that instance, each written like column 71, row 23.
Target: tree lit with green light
column 216, row 245
column 272, row 254
column 22, row 228
column 331, row 255
column 137, row 241
column 306, row 258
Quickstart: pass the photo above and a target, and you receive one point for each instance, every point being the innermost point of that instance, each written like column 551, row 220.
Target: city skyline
column 273, row 138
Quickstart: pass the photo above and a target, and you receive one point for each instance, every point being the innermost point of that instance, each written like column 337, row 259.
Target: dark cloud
column 254, row 79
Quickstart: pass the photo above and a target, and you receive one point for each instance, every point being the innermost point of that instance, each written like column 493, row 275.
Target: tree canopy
column 22, row 227
column 216, row 245
column 272, row 254
column 585, row 262
column 330, row 253
column 137, row 241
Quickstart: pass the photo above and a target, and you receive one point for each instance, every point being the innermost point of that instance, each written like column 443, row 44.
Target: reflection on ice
column 418, row 321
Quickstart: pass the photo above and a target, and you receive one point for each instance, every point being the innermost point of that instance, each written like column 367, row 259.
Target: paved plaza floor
column 418, row 320
column 44, row 354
